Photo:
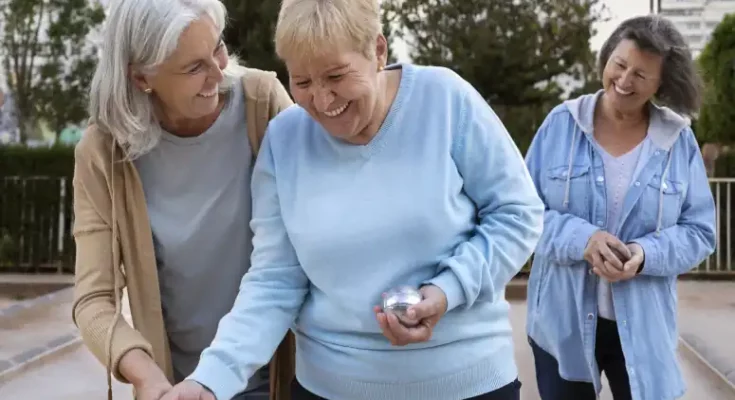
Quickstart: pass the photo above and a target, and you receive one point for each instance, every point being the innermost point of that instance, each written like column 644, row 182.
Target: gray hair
column 681, row 86
column 143, row 33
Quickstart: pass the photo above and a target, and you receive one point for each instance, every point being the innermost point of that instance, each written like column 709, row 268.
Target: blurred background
column 523, row 56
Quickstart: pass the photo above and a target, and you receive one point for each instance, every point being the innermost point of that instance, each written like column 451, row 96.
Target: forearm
column 93, row 316
column 564, row 238
column 94, row 310
column 676, row 250
column 137, row 367
column 480, row 268
column 247, row 337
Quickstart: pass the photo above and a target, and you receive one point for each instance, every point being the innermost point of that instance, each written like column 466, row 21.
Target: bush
column 36, row 209
column 42, row 161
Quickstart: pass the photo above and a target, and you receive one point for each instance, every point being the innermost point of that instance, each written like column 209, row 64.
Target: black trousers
column 610, row 360
column 511, row 391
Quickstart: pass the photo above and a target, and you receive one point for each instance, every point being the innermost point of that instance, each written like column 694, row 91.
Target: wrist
column 140, row 369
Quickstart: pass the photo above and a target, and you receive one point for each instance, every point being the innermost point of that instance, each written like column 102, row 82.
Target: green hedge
column 43, row 161
column 36, row 209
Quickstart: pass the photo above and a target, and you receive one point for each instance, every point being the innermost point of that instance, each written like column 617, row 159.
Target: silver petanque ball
column 398, row 300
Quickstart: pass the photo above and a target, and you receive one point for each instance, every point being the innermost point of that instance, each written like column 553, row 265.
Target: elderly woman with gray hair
column 628, row 209
column 162, row 191
column 380, row 177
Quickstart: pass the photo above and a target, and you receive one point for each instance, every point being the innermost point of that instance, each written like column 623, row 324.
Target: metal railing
column 721, row 261
column 36, row 218
column 35, row 225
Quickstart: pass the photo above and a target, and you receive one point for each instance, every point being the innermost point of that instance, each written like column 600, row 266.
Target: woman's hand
column 189, row 390
column 606, row 253
column 147, row 378
column 427, row 312
column 152, row 390
column 630, row 267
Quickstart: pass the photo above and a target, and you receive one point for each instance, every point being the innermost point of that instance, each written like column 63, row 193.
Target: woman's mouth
column 208, row 94
column 621, row 92
column 338, row 111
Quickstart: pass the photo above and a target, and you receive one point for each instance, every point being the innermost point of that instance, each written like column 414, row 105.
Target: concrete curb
column 20, row 306
column 18, row 363
column 690, row 345
column 37, row 355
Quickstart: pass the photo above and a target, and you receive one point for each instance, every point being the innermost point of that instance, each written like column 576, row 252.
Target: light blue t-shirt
column 440, row 195
column 197, row 192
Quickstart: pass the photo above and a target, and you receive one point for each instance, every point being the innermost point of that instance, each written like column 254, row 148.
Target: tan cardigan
column 115, row 247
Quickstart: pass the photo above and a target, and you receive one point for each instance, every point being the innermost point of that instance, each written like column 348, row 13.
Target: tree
column 512, row 52
column 587, row 75
column 48, row 59
column 509, row 50
column 249, row 34
column 388, row 32
column 250, row 31
column 716, row 122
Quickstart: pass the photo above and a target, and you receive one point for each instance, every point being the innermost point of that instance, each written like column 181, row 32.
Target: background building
column 696, row 19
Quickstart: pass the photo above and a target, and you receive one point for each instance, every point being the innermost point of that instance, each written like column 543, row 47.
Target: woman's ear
column 139, row 79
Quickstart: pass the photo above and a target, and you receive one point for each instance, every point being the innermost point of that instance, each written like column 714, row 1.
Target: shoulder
column 289, row 125
column 442, row 79
column 94, row 146
column 558, row 123
column 257, row 82
column 688, row 143
column 263, row 87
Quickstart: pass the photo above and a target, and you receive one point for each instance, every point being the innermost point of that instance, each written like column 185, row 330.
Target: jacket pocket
column 555, row 190
column 665, row 197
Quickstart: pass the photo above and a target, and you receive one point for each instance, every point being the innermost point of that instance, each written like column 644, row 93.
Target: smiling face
column 631, row 76
column 341, row 90
column 186, row 85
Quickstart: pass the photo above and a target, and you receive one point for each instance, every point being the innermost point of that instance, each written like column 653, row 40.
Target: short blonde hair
column 309, row 28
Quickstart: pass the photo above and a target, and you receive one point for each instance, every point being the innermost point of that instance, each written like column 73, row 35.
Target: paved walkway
column 707, row 322
column 74, row 374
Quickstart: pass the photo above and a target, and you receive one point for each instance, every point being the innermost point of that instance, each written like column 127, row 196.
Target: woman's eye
column 195, row 69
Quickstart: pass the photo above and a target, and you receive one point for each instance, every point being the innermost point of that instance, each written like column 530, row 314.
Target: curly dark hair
column 681, row 86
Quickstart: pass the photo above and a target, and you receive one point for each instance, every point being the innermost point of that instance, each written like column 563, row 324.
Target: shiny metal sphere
column 398, row 300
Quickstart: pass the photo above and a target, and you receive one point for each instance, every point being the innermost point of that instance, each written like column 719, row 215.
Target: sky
column 617, row 12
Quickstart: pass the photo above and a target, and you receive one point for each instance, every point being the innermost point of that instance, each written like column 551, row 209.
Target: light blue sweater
column 441, row 195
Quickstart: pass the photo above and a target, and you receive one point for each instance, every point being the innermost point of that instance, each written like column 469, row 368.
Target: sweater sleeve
column 509, row 211
column 270, row 297
column 94, row 310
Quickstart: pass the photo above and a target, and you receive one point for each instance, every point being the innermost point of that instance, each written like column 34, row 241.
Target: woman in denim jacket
column 628, row 209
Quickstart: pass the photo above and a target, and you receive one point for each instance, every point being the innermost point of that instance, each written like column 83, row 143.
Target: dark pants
column 610, row 360
column 261, row 393
column 511, row 391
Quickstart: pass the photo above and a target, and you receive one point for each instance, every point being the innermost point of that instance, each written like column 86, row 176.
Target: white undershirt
column 619, row 173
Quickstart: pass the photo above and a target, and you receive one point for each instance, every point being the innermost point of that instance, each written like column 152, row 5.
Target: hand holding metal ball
column 398, row 300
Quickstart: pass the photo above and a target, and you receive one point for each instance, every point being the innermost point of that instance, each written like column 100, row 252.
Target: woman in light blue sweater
column 377, row 178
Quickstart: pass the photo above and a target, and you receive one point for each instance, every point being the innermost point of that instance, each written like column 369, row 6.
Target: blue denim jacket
column 668, row 210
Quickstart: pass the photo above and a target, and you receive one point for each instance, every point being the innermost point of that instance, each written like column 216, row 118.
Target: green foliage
column 716, row 120
column 509, row 50
column 388, row 32
column 48, row 59
column 512, row 52
column 250, row 31
column 36, row 209
column 587, row 74
column 249, row 34
column 54, row 161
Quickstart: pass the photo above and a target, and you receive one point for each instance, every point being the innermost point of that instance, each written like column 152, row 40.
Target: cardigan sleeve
column 94, row 310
